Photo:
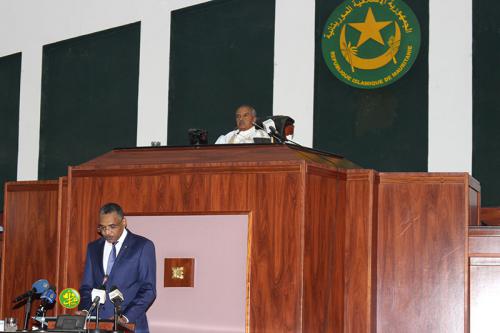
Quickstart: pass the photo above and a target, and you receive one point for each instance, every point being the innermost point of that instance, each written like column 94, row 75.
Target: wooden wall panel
column 272, row 199
column 360, row 252
column 421, row 253
column 323, row 269
column 1, row 242
column 276, row 252
column 329, row 250
column 30, row 241
column 63, row 233
column 143, row 194
column 474, row 205
column 490, row 216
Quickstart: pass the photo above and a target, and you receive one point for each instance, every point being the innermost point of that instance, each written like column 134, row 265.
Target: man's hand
column 123, row 320
column 81, row 313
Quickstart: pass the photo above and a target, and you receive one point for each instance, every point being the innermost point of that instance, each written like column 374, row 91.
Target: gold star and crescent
column 370, row 28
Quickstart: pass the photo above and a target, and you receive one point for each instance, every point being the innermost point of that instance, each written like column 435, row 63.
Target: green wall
column 89, row 98
column 486, row 101
column 384, row 129
column 222, row 55
column 10, row 80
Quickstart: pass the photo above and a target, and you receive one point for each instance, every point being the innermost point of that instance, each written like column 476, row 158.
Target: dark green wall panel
column 486, row 101
column 89, row 98
column 10, row 81
column 385, row 129
column 221, row 56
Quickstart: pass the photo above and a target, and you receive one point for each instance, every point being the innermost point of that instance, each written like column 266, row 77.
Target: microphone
column 116, row 298
column 270, row 128
column 48, row 298
column 38, row 287
column 98, row 296
column 259, row 126
column 269, row 125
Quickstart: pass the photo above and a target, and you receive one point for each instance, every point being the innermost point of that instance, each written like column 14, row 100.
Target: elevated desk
column 332, row 248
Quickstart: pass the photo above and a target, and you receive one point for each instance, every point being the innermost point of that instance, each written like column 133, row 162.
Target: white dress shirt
column 108, row 247
column 238, row 136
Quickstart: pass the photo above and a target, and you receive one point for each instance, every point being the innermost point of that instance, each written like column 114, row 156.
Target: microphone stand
column 284, row 141
column 115, row 322
column 97, row 317
column 41, row 312
column 96, row 329
column 278, row 137
column 27, row 311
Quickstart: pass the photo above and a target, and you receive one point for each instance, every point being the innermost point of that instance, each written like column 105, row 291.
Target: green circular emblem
column 371, row 43
column 69, row 298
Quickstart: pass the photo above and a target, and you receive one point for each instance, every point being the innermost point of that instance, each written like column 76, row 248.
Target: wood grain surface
column 490, row 216
column 273, row 199
column 323, row 266
column 31, row 246
column 330, row 249
column 421, row 275
column 361, row 252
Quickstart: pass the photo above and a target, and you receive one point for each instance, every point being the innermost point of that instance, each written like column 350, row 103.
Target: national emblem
column 383, row 52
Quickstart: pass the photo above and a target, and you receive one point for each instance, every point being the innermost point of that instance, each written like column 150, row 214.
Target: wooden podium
column 332, row 248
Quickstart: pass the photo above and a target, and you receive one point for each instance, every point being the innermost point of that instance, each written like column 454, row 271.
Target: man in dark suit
column 122, row 259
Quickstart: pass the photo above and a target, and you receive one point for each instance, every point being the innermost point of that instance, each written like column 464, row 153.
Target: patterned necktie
column 111, row 259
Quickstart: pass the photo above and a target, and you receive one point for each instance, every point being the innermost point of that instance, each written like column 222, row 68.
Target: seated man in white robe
column 246, row 131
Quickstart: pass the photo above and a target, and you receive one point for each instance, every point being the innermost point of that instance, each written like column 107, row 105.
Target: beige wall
column 219, row 245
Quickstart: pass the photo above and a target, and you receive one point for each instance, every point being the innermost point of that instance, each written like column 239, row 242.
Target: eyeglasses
column 111, row 227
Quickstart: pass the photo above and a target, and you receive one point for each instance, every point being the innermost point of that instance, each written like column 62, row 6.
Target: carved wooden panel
column 178, row 272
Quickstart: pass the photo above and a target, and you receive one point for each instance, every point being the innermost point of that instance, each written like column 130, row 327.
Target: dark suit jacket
column 134, row 274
